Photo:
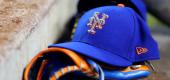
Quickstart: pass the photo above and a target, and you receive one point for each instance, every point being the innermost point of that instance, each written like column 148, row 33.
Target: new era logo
column 96, row 22
column 141, row 50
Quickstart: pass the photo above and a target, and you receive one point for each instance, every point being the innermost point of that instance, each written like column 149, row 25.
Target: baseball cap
column 113, row 35
column 140, row 8
column 137, row 5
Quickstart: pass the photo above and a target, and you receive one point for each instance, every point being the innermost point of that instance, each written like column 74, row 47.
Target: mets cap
column 141, row 8
column 113, row 35
column 137, row 5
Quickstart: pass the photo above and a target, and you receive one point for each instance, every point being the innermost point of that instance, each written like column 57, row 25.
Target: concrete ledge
column 27, row 27
column 162, row 66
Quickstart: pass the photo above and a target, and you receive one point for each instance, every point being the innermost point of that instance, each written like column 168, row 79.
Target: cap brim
column 95, row 53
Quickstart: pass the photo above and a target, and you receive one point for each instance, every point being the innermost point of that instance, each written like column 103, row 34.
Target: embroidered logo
column 96, row 22
column 141, row 50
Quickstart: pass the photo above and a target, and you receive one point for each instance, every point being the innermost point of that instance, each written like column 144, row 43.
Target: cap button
column 120, row 5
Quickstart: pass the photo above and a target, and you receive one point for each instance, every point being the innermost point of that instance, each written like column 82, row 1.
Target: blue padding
column 98, row 69
column 118, row 75
column 126, row 75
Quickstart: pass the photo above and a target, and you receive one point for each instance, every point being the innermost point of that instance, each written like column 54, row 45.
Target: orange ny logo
column 96, row 22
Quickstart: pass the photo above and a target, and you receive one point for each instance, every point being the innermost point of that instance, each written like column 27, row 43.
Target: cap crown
column 120, row 33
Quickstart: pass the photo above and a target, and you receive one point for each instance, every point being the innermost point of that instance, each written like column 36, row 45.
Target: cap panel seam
column 133, row 33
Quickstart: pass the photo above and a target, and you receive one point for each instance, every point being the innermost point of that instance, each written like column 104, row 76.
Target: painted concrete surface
column 162, row 36
column 22, row 37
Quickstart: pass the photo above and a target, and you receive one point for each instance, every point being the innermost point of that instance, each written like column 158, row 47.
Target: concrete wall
column 36, row 30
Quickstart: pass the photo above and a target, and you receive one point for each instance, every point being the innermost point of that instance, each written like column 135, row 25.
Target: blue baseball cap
column 137, row 5
column 113, row 35
column 141, row 8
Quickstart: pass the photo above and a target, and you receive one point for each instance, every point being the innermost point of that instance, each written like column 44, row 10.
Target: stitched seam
column 134, row 25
